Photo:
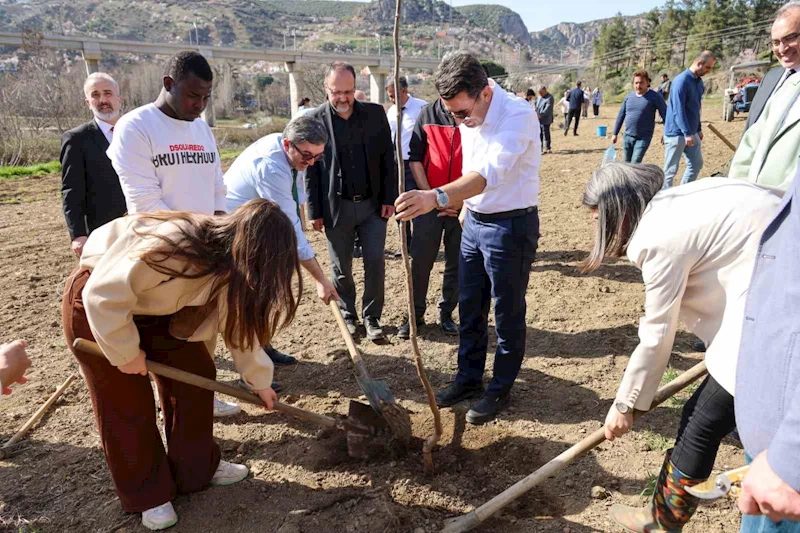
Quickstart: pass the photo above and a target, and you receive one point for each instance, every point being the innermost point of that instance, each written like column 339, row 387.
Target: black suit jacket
column 324, row 180
column 91, row 193
column 762, row 95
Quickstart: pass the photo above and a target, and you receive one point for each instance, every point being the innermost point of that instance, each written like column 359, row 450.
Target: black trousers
column 544, row 135
column 707, row 418
column 576, row 114
column 596, row 109
column 428, row 232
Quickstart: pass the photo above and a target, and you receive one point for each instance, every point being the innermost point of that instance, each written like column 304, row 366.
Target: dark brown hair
column 250, row 253
column 641, row 73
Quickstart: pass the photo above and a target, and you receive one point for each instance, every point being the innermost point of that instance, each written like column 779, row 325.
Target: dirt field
column 581, row 330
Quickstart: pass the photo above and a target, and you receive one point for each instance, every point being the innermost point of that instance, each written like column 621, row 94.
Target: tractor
column 739, row 97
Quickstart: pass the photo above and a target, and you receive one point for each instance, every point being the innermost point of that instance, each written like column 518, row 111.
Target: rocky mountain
column 571, row 41
column 345, row 27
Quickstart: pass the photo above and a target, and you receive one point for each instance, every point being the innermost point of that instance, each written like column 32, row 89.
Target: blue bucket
column 602, row 130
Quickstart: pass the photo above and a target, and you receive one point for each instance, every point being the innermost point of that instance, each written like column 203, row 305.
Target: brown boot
column 671, row 508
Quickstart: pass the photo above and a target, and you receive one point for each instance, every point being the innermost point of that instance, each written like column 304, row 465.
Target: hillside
column 569, row 39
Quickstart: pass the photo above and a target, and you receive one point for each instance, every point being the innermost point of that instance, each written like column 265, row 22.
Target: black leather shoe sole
column 467, row 394
column 281, row 358
column 478, row 417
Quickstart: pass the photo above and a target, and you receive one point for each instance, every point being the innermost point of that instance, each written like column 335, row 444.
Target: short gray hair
column 620, row 193
column 94, row 76
column 460, row 72
column 306, row 129
column 787, row 10
column 403, row 82
column 705, row 57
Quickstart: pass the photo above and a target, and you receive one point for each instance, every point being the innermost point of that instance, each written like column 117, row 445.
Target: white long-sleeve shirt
column 167, row 164
column 411, row 111
column 696, row 246
column 263, row 171
column 506, row 151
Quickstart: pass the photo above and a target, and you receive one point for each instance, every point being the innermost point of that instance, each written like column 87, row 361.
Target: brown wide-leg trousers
column 143, row 474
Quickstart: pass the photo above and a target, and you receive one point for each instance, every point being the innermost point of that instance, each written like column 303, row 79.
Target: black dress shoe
column 487, row 409
column 699, row 346
column 357, row 253
column 447, row 324
column 404, row 332
column 374, row 329
column 279, row 358
column 457, row 392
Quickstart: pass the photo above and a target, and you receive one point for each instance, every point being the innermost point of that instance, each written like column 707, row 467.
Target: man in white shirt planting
column 499, row 189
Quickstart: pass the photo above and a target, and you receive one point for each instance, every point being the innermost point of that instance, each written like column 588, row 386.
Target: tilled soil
column 581, row 329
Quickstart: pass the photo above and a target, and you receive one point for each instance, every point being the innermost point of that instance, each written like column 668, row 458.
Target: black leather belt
column 357, row 198
column 494, row 217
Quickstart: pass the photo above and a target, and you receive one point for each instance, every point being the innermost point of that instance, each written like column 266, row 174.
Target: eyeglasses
column 789, row 40
column 461, row 115
column 308, row 156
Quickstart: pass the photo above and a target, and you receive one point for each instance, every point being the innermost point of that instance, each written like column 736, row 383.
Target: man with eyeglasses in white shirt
column 499, row 190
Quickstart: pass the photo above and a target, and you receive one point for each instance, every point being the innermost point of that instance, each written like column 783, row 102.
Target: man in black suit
column 785, row 38
column 90, row 188
column 351, row 191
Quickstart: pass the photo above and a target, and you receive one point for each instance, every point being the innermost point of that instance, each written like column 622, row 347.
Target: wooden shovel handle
column 166, row 371
column 355, row 355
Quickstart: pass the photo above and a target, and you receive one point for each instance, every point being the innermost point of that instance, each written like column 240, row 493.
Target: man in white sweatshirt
column 166, row 159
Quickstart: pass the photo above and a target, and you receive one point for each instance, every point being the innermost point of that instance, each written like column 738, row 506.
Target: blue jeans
column 762, row 524
column 495, row 263
column 673, row 148
column 635, row 148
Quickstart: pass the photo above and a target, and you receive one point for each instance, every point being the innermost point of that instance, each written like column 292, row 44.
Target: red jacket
column 436, row 143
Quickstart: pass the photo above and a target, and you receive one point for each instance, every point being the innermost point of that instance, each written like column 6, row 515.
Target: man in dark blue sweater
column 575, row 99
column 638, row 111
column 682, row 131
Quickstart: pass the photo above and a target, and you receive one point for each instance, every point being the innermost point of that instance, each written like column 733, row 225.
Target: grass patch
column 655, row 442
column 229, row 154
column 650, row 487
column 680, row 399
column 42, row 169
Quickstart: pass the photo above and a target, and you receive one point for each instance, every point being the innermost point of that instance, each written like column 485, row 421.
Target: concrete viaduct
column 378, row 67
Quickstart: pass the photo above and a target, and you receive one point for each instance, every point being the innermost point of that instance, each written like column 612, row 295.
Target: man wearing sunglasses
column 499, row 190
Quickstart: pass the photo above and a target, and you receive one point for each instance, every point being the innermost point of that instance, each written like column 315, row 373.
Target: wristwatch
column 441, row 198
column 622, row 408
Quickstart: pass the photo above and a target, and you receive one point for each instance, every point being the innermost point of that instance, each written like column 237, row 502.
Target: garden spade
column 360, row 427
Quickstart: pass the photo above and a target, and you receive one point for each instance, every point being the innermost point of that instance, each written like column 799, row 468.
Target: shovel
column 360, row 426
column 378, row 395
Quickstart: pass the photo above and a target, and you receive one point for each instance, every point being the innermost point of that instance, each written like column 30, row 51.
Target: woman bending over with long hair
column 161, row 287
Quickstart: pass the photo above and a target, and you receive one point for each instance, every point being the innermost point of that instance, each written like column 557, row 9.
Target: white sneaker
column 223, row 408
column 160, row 517
column 229, row 473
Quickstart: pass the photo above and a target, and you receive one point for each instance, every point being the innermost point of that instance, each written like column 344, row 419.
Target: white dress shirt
column 263, row 171
column 411, row 111
column 699, row 272
column 106, row 128
column 506, row 151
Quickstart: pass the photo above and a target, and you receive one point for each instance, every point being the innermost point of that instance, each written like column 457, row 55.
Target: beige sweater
column 696, row 246
column 121, row 286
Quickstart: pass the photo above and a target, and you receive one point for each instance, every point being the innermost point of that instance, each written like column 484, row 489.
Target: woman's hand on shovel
column 267, row 396
column 136, row 366
column 617, row 424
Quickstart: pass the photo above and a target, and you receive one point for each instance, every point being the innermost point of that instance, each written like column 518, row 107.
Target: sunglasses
column 464, row 115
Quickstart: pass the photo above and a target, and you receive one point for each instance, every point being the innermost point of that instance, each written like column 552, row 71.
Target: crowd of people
column 173, row 253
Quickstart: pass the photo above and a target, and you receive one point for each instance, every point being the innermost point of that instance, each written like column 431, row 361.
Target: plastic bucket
column 602, row 130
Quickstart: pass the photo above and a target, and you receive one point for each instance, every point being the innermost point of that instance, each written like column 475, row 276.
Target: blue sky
column 539, row 15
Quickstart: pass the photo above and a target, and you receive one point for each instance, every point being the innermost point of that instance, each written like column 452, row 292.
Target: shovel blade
column 364, row 425
column 375, row 391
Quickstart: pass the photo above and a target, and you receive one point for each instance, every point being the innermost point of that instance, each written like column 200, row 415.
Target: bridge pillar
column 91, row 56
column 377, row 84
column 209, row 114
column 295, row 79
